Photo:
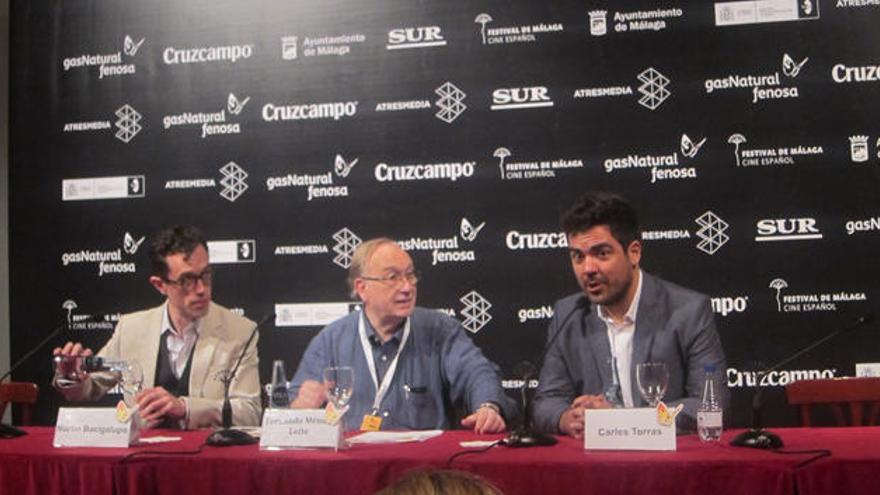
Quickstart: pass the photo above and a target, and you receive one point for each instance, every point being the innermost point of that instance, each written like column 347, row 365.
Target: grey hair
column 361, row 257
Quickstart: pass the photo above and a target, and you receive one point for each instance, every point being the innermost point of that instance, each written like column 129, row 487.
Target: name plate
column 628, row 429
column 299, row 428
column 94, row 427
column 867, row 369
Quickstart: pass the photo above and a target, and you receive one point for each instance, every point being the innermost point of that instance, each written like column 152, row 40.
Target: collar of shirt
column 178, row 344
column 629, row 319
column 376, row 339
column 168, row 327
column 383, row 352
column 620, row 339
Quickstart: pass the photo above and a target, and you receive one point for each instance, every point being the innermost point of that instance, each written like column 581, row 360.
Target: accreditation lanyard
column 381, row 390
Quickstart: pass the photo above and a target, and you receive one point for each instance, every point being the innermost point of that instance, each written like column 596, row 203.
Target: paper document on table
column 478, row 444
column 394, row 436
column 159, row 439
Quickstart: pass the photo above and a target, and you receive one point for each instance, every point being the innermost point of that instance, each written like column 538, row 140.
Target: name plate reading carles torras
column 299, row 428
column 94, row 427
column 628, row 429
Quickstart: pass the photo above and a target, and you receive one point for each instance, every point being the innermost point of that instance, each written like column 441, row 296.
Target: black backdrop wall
column 745, row 132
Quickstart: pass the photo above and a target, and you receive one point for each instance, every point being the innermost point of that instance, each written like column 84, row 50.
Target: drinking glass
column 68, row 370
column 653, row 378
column 339, row 381
column 131, row 378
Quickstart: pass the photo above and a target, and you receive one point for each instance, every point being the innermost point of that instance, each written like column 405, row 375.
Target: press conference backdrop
column 745, row 132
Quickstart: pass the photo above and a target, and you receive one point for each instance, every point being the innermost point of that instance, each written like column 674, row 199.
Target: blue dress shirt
column 441, row 375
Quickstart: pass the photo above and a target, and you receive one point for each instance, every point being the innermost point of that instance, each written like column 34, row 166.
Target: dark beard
column 612, row 298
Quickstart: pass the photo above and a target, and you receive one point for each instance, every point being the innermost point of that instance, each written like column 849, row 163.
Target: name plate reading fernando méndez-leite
column 300, row 429
column 630, row 429
column 96, row 427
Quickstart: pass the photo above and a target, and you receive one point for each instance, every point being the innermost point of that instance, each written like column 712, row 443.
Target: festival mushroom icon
column 69, row 305
column 501, row 153
column 778, row 284
column 736, row 140
column 483, row 19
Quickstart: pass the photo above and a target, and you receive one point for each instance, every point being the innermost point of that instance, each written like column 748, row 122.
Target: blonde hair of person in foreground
column 440, row 482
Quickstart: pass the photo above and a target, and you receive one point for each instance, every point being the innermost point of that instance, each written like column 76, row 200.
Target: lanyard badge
column 373, row 421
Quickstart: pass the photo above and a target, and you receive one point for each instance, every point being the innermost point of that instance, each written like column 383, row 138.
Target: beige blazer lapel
column 203, row 355
column 143, row 346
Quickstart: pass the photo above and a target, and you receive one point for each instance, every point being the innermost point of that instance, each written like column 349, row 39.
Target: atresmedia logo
column 127, row 124
column 450, row 104
column 475, row 312
column 654, row 89
column 233, row 181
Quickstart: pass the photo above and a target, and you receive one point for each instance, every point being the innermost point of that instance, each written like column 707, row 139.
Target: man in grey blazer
column 634, row 318
column 181, row 345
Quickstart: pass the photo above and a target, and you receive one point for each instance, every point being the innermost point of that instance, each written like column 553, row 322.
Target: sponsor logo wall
column 748, row 141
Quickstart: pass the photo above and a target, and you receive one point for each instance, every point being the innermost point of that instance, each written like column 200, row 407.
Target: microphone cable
column 819, row 453
column 471, row 451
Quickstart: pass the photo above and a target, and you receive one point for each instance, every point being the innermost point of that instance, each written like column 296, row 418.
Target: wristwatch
column 491, row 405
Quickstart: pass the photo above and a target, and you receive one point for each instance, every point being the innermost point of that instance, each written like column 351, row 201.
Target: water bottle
column 709, row 414
column 278, row 392
column 73, row 369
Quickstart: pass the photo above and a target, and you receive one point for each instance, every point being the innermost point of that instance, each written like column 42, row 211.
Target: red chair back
column 858, row 394
column 23, row 394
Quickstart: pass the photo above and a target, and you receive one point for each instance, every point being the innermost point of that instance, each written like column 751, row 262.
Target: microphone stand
column 757, row 437
column 21, row 360
column 227, row 436
column 9, row 431
column 525, row 435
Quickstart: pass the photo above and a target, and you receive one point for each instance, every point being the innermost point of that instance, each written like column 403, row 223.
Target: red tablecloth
column 853, row 466
column 30, row 465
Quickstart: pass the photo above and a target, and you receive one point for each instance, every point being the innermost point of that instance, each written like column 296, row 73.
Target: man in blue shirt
column 413, row 367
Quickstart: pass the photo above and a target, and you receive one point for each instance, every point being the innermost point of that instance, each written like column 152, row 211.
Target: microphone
column 226, row 436
column 759, row 438
column 54, row 333
column 9, row 431
column 525, row 436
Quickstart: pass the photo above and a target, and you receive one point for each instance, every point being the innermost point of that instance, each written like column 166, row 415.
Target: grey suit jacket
column 222, row 336
column 673, row 325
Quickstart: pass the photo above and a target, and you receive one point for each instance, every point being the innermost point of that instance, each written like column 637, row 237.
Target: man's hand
column 572, row 420
column 72, row 349
column 69, row 372
column 485, row 420
column 155, row 404
column 591, row 402
column 312, row 395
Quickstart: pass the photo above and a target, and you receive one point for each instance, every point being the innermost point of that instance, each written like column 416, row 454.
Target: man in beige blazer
column 183, row 345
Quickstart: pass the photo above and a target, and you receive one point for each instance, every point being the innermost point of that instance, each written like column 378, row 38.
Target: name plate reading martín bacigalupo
column 630, row 429
column 96, row 427
column 299, row 428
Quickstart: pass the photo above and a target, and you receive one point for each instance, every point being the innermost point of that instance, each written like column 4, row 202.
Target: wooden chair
column 22, row 393
column 858, row 393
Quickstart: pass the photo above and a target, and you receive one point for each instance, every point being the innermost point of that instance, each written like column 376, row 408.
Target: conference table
column 31, row 465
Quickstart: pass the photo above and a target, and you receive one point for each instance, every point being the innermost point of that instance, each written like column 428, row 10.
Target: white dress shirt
column 620, row 337
column 179, row 344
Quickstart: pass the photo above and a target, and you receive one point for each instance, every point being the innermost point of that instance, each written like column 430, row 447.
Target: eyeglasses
column 188, row 281
column 396, row 279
